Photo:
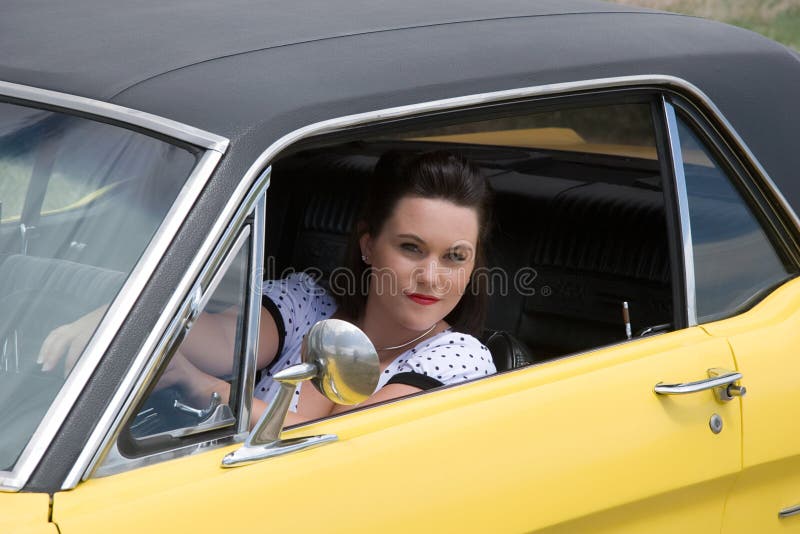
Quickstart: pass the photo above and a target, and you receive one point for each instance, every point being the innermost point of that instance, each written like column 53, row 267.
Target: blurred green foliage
column 776, row 19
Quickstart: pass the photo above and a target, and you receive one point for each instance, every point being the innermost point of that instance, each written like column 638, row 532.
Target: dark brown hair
column 436, row 175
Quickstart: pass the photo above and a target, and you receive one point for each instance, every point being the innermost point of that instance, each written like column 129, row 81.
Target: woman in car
column 415, row 249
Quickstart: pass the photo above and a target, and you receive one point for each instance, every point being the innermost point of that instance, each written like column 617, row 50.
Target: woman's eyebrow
column 411, row 236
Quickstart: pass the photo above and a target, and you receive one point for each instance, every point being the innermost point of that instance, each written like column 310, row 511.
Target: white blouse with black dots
column 449, row 357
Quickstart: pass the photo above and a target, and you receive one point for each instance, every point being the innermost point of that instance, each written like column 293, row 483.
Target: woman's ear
column 365, row 244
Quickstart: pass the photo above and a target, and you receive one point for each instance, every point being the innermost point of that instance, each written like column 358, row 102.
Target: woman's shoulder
column 296, row 302
column 450, row 357
column 451, row 338
column 297, row 288
column 296, row 282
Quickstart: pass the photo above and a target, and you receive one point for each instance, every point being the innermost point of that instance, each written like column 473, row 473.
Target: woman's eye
column 410, row 247
column 456, row 255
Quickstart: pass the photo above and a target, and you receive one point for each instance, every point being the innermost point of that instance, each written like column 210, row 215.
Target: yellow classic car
column 159, row 162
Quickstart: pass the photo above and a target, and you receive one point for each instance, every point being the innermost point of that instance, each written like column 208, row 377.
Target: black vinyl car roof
column 98, row 48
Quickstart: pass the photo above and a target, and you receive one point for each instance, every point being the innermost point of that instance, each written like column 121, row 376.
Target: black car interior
column 590, row 232
column 587, row 232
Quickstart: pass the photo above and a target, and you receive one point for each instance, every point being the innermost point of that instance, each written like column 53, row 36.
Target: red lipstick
column 425, row 300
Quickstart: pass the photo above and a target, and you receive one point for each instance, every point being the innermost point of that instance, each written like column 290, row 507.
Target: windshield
column 79, row 202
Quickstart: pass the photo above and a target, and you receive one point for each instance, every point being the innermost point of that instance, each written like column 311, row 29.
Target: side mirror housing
column 341, row 362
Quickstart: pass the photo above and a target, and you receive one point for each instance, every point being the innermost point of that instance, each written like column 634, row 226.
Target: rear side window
column 734, row 261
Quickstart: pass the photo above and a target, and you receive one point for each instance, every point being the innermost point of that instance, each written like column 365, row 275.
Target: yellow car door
column 581, row 443
column 767, row 495
column 25, row 513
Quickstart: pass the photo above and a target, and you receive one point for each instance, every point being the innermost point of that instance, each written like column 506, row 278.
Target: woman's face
column 421, row 261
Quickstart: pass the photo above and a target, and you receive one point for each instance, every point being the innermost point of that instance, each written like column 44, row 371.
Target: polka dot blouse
column 448, row 357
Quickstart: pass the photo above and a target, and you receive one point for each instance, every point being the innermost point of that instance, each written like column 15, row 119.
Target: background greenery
column 777, row 19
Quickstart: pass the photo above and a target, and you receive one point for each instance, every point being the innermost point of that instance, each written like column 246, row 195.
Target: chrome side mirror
column 341, row 362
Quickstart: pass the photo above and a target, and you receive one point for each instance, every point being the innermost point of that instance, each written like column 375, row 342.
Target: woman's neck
column 390, row 338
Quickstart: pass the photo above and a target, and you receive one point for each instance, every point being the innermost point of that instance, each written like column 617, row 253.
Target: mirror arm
column 264, row 441
column 268, row 428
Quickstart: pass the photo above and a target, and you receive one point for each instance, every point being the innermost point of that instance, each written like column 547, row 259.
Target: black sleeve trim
column 273, row 310
column 423, row 382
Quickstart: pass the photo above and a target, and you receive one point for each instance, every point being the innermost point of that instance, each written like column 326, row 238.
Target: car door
column 577, row 443
column 25, row 513
column 766, row 497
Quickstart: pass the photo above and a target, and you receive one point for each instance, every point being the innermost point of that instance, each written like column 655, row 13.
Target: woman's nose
column 429, row 273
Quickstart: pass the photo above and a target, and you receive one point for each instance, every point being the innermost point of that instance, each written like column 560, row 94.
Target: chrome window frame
column 240, row 234
column 99, row 442
column 214, row 147
column 682, row 198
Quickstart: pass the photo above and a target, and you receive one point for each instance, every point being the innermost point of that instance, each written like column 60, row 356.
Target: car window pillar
column 679, row 200
column 253, row 313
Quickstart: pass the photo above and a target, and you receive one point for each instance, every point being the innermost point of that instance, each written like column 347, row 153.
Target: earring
column 364, row 258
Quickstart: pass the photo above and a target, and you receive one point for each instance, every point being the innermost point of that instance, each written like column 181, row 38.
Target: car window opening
column 577, row 255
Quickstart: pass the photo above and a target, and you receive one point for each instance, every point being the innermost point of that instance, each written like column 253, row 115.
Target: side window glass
column 734, row 261
column 197, row 390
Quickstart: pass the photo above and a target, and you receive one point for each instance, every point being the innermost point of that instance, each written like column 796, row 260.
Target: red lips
column 425, row 300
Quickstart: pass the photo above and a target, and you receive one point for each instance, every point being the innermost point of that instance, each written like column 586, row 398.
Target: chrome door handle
column 790, row 511
column 720, row 380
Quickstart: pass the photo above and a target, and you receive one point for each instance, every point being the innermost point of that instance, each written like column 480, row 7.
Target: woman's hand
column 68, row 341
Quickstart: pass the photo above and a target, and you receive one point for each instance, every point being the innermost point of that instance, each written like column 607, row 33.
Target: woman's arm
column 210, row 343
column 392, row 391
column 312, row 404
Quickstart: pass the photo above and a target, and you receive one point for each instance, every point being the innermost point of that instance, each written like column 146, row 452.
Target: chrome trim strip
column 109, row 325
column 115, row 462
column 176, row 130
column 101, row 436
column 146, row 361
column 790, row 511
column 683, row 209
column 254, row 311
